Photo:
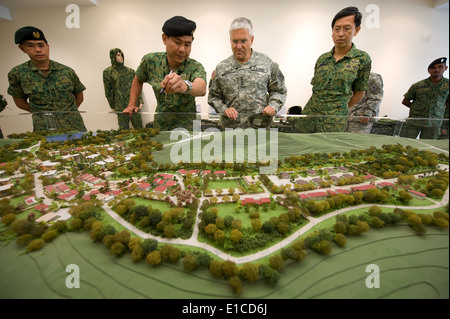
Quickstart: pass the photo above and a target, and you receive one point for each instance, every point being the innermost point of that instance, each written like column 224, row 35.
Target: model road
column 193, row 241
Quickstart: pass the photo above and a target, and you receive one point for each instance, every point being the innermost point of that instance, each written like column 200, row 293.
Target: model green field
column 410, row 246
column 411, row 266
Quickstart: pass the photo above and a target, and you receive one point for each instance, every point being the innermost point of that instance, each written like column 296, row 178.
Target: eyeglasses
column 346, row 29
column 35, row 45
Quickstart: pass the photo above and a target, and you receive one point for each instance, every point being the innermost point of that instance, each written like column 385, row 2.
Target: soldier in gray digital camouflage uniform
column 247, row 88
column 427, row 101
column 359, row 115
column 117, row 80
column 51, row 91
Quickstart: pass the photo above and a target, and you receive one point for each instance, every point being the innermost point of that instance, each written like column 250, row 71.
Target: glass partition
column 417, row 128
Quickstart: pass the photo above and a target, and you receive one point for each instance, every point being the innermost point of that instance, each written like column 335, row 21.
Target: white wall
column 294, row 33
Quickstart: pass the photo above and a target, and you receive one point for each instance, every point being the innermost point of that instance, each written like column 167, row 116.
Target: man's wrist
column 189, row 86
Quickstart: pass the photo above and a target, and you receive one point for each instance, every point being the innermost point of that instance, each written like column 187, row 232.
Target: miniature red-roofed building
column 30, row 200
column 303, row 196
column 171, row 183
column 145, row 186
column 417, row 194
column 160, row 190
column 362, row 188
column 385, row 185
column 51, row 189
column 318, row 195
column 62, row 187
column 69, row 195
column 343, row 191
column 41, row 207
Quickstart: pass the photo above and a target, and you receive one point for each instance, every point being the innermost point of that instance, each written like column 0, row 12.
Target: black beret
column 437, row 61
column 179, row 26
column 28, row 33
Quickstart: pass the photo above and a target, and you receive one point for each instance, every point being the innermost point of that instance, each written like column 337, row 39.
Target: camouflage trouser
column 354, row 126
column 317, row 124
column 170, row 121
column 70, row 121
column 412, row 131
column 125, row 119
column 246, row 121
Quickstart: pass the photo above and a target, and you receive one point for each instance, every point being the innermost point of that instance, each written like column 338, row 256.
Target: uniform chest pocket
column 32, row 89
column 345, row 78
column 37, row 97
column 259, row 77
column 63, row 90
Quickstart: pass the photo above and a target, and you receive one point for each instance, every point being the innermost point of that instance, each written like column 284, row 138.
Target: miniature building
column 252, row 201
column 285, row 175
column 47, row 218
column 107, row 175
column 30, row 200
column 417, row 194
column 91, row 179
column 385, row 185
column 62, row 187
column 145, row 186
column 362, row 188
column 5, row 190
column 249, row 180
column 170, row 183
column 48, row 166
column 5, row 181
column 41, row 207
column 50, row 173
column 69, row 195
column 301, row 182
column 160, row 190
column 303, row 196
column 318, row 195
column 311, row 172
column 51, row 189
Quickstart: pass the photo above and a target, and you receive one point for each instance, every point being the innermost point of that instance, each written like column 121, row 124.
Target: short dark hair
column 348, row 12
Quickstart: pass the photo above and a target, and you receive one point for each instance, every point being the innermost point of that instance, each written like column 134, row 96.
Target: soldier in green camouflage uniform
column 153, row 69
column 117, row 81
column 51, row 91
column 340, row 77
column 3, row 104
column 248, row 84
column 429, row 102
column 359, row 116
column 175, row 78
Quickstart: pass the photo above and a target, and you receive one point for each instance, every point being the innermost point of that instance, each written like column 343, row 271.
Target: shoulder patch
column 213, row 75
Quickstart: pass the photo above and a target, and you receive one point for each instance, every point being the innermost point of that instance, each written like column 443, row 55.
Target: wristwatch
column 189, row 85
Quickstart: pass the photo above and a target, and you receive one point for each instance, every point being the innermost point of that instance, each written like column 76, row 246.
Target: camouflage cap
column 437, row 61
column 28, row 33
column 179, row 26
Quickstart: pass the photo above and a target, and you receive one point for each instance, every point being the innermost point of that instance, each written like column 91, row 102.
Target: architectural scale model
column 241, row 225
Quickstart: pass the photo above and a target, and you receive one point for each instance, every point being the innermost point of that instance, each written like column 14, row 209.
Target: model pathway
column 193, row 241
